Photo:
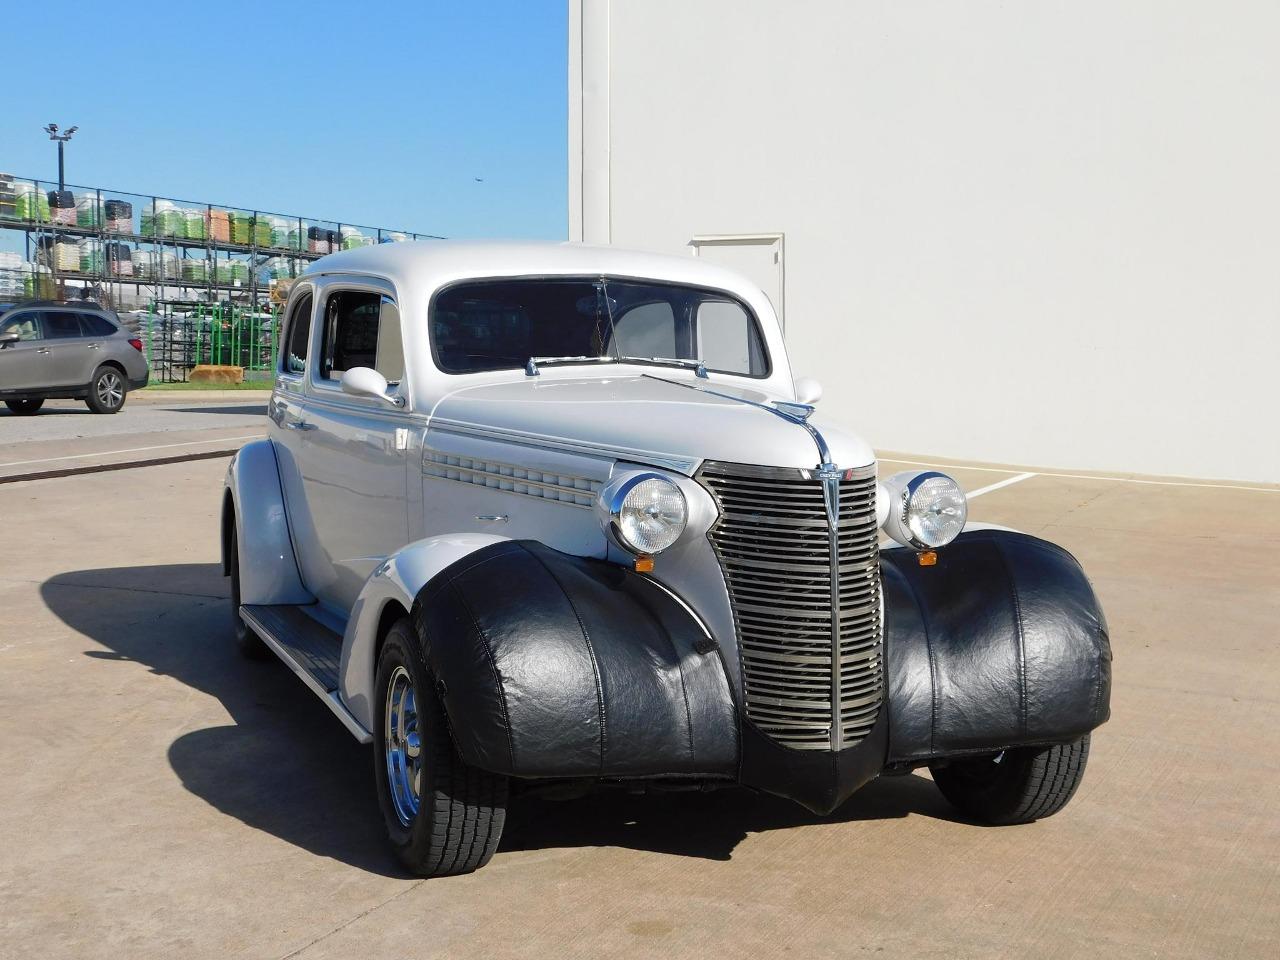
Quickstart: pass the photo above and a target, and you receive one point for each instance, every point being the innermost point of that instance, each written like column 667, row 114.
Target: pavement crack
column 359, row 916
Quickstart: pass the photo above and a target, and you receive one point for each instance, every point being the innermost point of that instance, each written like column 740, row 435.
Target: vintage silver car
column 551, row 517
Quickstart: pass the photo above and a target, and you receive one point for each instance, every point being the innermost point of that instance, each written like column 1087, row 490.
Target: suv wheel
column 443, row 816
column 24, row 408
column 106, row 391
column 1016, row 786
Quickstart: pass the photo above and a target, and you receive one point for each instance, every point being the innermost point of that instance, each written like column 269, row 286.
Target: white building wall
column 1041, row 233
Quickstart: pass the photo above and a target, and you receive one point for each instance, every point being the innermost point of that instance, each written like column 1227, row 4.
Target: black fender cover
column 1001, row 644
column 551, row 665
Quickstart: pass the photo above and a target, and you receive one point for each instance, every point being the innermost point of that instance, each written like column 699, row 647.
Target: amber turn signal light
column 644, row 564
column 928, row 558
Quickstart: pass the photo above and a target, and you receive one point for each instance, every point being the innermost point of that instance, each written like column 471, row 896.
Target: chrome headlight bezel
column 902, row 489
column 617, row 507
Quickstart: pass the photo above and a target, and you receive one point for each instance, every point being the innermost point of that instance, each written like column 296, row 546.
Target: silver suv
column 67, row 351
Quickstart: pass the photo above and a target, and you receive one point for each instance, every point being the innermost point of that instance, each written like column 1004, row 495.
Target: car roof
column 425, row 264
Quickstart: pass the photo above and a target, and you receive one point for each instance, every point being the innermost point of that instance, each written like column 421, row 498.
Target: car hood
column 655, row 419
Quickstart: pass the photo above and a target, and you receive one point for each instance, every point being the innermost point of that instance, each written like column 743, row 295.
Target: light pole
column 61, row 138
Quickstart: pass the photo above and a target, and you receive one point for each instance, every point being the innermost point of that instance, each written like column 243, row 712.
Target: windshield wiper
column 697, row 366
column 531, row 366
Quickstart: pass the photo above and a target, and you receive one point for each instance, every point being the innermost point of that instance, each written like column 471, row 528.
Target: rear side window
column 96, row 326
column 25, row 325
column 294, row 359
column 60, row 324
column 361, row 330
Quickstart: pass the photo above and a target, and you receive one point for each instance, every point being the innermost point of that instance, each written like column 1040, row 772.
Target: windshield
column 502, row 324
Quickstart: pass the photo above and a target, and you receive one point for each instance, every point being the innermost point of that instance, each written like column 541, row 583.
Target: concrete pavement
column 65, row 435
column 163, row 796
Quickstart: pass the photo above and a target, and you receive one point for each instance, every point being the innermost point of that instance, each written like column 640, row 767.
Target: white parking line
column 109, row 453
column 1084, row 476
column 996, row 486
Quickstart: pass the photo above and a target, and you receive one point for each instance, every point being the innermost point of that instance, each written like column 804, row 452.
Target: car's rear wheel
column 106, row 390
column 250, row 643
column 24, row 408
column 1016, row 786
column 443, row 817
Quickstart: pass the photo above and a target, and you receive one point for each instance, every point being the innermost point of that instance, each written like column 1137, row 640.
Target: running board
column 309, row 649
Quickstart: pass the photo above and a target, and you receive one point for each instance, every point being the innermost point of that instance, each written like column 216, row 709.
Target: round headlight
column 927, row 509
column 648, row 514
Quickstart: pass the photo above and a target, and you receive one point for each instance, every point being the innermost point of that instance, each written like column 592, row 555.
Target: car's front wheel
column 24, row 408
column 106, row 391
column 1016, row 786
column 443, row 817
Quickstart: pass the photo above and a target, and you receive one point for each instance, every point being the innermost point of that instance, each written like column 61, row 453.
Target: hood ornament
column 797, row 411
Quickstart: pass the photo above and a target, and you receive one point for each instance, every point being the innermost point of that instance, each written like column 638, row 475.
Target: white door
column 757, row 256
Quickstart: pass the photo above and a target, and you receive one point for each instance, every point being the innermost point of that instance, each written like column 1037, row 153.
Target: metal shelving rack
column 110, row 284
column 250, row 297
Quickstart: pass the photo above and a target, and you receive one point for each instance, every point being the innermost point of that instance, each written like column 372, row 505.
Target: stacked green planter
column 241, row 228
column 193, row 223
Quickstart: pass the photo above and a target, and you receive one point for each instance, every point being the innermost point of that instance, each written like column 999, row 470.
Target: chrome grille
column 788, row 579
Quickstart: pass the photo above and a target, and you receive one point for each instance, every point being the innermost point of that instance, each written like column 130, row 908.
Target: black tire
column 1017, row 786
column 250, row 643
column 107, row 390
column 460, row 810
column 24, row 408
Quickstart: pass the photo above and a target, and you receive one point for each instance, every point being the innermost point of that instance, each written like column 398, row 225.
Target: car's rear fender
column 254, row 502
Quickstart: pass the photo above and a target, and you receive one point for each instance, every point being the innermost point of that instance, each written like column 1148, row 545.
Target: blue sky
column 374, row 113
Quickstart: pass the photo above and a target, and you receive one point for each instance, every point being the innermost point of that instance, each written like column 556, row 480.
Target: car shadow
column 287, row 767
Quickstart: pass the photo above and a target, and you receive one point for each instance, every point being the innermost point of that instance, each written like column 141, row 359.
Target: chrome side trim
column 654, row 458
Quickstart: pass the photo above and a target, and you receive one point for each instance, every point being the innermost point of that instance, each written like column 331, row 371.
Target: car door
column 23, row 365
column 287, row 417
column 354, row 460
column 72, row 355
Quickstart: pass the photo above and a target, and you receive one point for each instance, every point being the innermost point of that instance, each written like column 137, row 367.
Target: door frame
column 698, row 241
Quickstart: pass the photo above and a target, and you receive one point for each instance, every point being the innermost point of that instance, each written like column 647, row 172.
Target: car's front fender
column 395, row 583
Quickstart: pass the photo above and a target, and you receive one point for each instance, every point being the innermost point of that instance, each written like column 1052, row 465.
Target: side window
column 726, row 340
column 59, row 325
column 24, row 325
column 361, row 330
column 648, row 330
column 96, row 326
column 294, row 358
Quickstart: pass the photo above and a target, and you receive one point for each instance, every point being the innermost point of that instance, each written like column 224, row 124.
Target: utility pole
column 61, row 138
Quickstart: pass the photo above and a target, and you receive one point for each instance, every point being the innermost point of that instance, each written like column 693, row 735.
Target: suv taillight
column 136, row 344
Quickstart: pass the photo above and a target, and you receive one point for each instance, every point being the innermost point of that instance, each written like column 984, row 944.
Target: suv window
column 361, row 330
column 24, row 325
column 294, row 359
column 96, row 326
column 61, row 324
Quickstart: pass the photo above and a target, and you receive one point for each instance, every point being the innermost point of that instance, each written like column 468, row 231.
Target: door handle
column 43, row 350
column 299, row 425
column 94, row 346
